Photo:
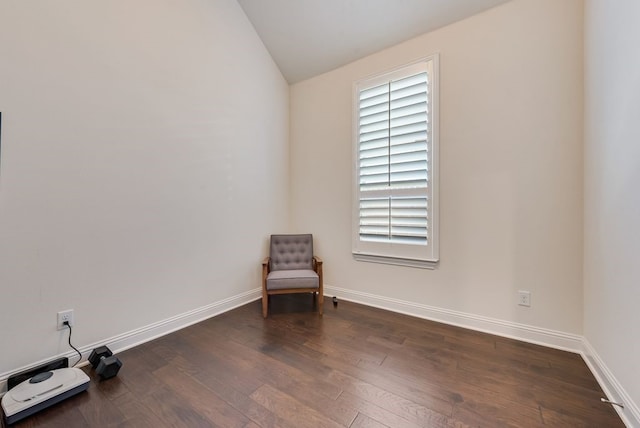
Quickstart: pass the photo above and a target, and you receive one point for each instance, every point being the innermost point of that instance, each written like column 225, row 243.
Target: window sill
column 374, row 258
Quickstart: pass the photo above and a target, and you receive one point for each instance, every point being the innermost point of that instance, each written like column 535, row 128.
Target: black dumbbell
column 106, row 364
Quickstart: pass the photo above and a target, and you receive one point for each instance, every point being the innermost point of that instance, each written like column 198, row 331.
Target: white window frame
column 421, row 256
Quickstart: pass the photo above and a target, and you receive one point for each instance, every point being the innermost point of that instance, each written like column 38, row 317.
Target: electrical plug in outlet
column 65, row 316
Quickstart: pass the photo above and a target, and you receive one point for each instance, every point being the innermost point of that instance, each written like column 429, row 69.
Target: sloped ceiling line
column 310, row 37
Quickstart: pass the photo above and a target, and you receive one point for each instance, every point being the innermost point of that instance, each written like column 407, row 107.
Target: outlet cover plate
column 524, row 298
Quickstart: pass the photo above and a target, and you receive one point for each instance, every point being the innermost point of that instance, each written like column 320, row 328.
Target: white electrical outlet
column 524, row 298
column 65, row 316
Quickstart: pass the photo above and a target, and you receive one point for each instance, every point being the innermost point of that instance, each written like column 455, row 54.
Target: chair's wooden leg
column 265, row 303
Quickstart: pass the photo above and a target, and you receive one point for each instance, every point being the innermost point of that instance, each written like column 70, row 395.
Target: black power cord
column 76, row 349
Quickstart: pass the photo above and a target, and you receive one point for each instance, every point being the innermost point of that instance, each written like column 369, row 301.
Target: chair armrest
column 266, row 261
column 317, row 264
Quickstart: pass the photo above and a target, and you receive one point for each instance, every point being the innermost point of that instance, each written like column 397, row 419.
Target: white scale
column 41, row 391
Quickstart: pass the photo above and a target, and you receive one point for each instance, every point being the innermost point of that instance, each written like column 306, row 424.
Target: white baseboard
column 153, row 331
column 147, row 333
column 539, row 336
column 630, row 414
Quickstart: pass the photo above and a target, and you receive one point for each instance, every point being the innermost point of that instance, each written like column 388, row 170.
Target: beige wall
column 612, row 199
column 511, row 188
column 144, row 163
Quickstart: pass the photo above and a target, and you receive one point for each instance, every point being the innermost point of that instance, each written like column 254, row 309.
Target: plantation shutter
column 393, row 161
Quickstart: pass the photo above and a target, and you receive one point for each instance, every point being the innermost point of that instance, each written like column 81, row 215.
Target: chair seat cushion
column 284, row 279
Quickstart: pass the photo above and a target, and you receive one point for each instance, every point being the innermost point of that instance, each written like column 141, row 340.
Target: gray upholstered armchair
column 291, row 268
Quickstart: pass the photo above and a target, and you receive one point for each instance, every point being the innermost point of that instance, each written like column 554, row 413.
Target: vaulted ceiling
column 309, row 37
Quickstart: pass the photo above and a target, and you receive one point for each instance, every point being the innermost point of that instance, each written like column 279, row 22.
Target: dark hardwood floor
column 355, row 367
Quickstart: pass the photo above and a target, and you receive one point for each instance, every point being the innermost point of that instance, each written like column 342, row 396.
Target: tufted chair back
column 291, row 252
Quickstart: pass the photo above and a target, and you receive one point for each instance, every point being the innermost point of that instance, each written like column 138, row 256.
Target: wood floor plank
column 216, row 382
column 375, row 412
column 269, row 363
column 201, row 399
column 202, row 359
column 558, row 419
column 308, row 389
column 345, row 353
column 174, row 410
column 394, row 403
column 467, row 392
column 136, row 413
column 290, row 409
column 483, row 414
column 257, row 413
column 404, row 383
column 364, row 421
column 97, row 410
